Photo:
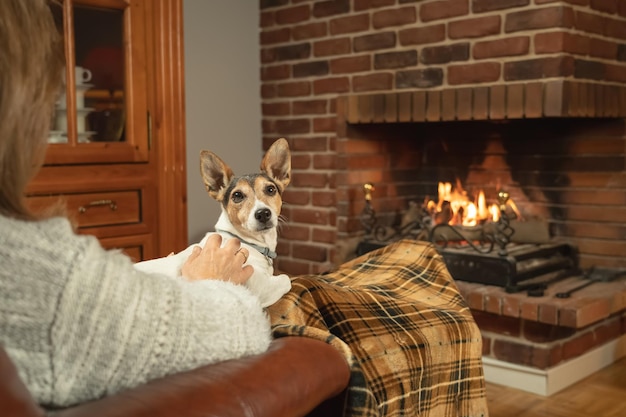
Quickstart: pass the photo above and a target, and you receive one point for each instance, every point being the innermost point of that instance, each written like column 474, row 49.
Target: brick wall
column 313, row 53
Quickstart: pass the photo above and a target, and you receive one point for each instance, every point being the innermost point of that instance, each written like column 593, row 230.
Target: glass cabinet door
column 102, row 113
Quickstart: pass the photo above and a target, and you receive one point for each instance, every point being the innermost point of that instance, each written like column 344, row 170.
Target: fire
column 455, row 207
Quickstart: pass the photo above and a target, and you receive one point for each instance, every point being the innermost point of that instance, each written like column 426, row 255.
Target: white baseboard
column 549, row 381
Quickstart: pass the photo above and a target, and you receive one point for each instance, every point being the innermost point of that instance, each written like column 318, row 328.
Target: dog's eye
column 237, row 197
column 270, row 190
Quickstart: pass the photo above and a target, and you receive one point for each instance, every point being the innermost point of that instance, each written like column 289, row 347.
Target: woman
column 78, row 321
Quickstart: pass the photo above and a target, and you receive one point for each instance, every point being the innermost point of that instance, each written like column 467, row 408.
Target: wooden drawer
column 96, row 209
column 139, row 248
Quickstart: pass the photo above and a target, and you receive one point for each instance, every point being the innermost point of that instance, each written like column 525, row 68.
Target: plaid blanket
column 408, row 335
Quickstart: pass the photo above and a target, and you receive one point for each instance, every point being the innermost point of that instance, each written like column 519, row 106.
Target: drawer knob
column 112, row 205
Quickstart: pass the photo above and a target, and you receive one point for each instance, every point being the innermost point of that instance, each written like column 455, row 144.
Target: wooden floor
column 602, row 394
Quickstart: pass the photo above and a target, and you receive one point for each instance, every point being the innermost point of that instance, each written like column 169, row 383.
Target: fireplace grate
column 523, row 267
column 487, row 258
column 522, row 262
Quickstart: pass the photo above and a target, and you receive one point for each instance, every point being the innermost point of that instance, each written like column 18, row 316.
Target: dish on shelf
column 84, row 86
column 81, row 110
column 57, row 136
column 83, row 137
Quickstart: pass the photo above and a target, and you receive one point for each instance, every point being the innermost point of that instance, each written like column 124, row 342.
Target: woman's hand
column 215, row 262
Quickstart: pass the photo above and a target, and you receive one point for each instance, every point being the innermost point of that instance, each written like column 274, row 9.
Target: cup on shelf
column 81, row 75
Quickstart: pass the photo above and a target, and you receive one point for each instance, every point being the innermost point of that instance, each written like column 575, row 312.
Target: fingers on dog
column 214, row 240
column 233, row 245
column 244, row 252
column 195, row 252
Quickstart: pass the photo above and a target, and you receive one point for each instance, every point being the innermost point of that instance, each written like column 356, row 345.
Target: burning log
column 476, row 220
column 526, row 231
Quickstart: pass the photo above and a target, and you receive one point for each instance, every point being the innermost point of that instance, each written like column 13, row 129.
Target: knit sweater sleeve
column 115, row 327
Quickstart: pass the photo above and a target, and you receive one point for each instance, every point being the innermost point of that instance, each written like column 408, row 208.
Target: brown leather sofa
column 297, row 376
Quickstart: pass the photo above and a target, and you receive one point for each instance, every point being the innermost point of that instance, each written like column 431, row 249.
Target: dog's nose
column 263, row 215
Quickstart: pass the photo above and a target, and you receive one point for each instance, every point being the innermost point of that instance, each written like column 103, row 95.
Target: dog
column 251, row 206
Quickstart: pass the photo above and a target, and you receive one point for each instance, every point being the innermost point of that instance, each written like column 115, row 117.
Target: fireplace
column 526, row 95
column 375, row 90
column 564, row 170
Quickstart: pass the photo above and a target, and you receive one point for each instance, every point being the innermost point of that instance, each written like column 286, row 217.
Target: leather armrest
column 290, row 379
column 15, row 399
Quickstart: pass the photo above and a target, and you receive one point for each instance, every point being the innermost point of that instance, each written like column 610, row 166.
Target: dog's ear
column 277, row 163
column 215, row 174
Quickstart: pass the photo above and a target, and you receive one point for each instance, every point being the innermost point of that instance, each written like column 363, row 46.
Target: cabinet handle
column 112, row 205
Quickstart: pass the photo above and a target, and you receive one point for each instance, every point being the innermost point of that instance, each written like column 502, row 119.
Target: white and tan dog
column 251, row 207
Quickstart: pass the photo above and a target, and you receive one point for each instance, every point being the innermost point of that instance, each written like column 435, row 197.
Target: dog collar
column 262, row 249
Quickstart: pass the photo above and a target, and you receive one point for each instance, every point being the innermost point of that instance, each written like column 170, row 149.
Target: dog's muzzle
column 263, row 215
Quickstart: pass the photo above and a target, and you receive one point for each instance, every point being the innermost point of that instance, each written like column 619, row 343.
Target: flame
column 455, row 207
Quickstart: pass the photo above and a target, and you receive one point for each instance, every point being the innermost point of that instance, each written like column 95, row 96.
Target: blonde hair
column 31, row 61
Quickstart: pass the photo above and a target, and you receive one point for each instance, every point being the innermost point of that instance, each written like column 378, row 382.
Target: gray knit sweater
column 80, row 323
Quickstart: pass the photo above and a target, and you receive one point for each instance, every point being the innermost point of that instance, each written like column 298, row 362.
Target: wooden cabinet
column 116, row 154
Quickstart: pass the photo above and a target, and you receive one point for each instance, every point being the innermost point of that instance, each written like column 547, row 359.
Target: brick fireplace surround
column 529, row 95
